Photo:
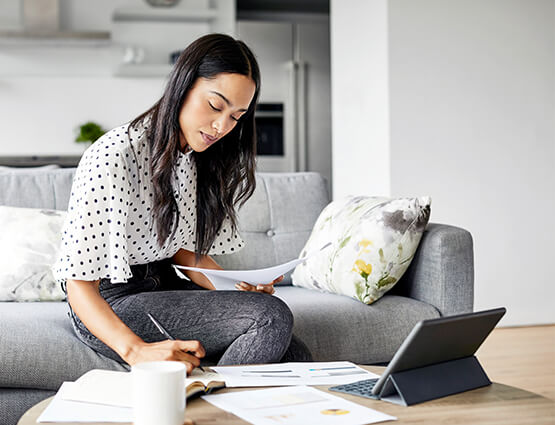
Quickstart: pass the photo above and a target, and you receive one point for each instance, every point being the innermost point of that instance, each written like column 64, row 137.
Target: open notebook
column 115, row 388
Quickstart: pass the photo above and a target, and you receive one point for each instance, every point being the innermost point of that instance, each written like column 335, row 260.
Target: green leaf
column 89, row 132
column 359, row 291
column 385, row 281
column 344, row 242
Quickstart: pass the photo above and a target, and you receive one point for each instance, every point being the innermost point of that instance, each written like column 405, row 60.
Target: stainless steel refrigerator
column 294, row 116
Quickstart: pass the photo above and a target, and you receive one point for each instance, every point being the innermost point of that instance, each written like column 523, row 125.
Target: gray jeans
column 234, row 327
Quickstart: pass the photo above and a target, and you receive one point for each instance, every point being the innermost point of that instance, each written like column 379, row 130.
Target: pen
column 163, row 331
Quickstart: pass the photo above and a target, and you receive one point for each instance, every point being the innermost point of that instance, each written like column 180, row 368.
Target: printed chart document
column 226, row 279
column 301, row 373
column 295, row 406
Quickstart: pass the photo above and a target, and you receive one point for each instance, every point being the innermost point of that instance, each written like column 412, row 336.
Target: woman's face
column 212, row 107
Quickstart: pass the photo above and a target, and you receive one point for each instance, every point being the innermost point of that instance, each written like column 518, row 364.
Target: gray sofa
column 39, row 351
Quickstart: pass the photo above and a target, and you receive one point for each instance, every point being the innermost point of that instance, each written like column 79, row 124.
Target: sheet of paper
column 114, row 388
column 99, row 386
column 283, row 374
column 226, row 279
column 60, row 410
column 295, row 406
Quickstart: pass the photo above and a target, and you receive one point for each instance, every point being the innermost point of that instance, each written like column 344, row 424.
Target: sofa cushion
column 337, row 327
column 15, row 402
column 29, row 242
column 373, row 241
column 8, row 169
column 37, row 188
column 277, row 220
column 39, row 349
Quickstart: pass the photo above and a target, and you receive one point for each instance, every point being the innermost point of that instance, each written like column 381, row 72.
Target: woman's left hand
column 267, row 288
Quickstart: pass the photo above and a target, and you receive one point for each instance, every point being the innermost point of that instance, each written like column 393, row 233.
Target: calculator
column 361, row 388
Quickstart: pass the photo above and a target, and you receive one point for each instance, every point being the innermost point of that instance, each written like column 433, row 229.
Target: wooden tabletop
column 494, row 404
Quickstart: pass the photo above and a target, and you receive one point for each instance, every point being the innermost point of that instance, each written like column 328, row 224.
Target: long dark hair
column 225, row 171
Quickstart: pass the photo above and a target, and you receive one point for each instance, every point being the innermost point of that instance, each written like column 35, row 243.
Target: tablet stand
column 430, row 382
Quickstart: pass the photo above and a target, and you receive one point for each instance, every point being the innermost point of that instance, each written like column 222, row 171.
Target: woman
column 163, row 189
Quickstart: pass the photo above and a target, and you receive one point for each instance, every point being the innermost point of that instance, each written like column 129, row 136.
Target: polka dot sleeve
column 227, row 241
column 94, row 242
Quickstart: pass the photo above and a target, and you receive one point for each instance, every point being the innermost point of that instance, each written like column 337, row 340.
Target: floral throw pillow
column 29, row 242
column 373, row 241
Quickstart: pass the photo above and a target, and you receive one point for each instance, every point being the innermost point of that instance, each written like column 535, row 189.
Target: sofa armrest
column 442, row 270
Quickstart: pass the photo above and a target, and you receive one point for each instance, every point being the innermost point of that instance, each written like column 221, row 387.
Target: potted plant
column 89, row 133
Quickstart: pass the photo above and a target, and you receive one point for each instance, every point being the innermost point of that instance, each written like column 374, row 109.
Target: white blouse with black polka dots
column 110, row 225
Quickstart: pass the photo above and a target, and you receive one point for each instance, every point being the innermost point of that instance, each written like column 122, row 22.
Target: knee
column 282, row 312
column 277, row 312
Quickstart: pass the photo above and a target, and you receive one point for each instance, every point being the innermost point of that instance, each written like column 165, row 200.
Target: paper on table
column 226, row 279
column 294, row 406
column 283, row 374
column 60, row 410
column 114, row 388
column 102, row 387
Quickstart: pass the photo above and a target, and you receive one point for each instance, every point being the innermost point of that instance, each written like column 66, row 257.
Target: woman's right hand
column 187, row 352
column 99, row 318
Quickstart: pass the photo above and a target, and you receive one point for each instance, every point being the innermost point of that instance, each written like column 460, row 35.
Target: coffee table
column 494, row 404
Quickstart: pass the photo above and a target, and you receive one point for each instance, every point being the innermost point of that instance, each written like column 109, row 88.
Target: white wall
column 473, row 125
column 360, row 97
column 472, row 112
column 39, row 115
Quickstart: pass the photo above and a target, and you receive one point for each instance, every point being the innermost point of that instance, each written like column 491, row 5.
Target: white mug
column 158, row 393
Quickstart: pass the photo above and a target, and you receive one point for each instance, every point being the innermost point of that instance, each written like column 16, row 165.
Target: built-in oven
column 269, row 129
column 281, row 127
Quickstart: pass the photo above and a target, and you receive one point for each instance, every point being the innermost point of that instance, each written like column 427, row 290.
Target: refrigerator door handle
column 290, row 148
column 302, row 127
column 296, row 144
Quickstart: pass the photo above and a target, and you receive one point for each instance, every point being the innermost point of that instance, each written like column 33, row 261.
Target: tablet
column 439, row 340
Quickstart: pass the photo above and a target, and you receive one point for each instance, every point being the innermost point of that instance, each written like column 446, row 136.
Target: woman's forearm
column 184, row 257
column 99, row 318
